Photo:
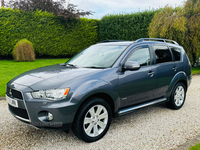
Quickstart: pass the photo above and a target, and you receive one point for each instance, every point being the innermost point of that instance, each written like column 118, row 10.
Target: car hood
column 50, row 76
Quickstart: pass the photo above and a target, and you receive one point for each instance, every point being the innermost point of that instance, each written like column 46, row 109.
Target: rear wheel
column 177, row 97
column 93, row 120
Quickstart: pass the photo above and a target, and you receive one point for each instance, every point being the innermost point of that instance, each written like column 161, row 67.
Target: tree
column 181, row 25
column 57, row 8
column 192, row 12
column 168, row 24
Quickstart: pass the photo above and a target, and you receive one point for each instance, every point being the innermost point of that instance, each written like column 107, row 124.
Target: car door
column 137, row 86
column 166, row 68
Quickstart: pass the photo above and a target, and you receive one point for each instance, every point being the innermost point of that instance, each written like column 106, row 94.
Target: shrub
column 23, row 51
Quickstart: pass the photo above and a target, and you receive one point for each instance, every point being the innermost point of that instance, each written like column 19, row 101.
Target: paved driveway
column 154, row 127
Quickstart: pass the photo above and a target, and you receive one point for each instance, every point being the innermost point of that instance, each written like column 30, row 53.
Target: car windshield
column 97, row 56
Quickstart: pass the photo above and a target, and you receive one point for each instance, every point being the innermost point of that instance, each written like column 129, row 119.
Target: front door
column 137, row 86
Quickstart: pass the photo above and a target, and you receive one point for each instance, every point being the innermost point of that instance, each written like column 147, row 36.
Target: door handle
column 175, row 68
column 151, row 73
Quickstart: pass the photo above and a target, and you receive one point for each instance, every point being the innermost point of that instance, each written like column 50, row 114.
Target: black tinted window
column 177, row 53
column 141, row 55
column 162, row 54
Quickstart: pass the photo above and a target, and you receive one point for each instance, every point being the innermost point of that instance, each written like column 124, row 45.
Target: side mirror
column 131, row 65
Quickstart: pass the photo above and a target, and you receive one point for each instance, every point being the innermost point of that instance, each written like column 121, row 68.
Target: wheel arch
column 184, row 82
column 179, row 77
column 102, row 95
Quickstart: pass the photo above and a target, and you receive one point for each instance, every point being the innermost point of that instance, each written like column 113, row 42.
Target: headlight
column 52, row 94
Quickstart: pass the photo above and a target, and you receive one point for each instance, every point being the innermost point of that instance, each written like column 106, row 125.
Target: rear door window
column 162, row 53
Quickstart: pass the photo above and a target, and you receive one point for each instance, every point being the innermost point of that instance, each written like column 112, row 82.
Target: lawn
column 10, row 69
column 196, row 147
column 196, row 70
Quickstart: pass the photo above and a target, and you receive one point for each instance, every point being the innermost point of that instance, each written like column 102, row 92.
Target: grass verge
column 10, row 69
column 195, row 70
column 196, row 147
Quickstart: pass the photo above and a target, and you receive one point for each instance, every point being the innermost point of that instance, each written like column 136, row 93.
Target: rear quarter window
column 176, row 53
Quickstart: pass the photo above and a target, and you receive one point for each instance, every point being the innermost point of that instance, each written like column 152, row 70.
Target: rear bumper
column 189, row 80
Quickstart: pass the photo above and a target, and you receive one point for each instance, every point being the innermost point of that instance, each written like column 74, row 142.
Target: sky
column 104, row 7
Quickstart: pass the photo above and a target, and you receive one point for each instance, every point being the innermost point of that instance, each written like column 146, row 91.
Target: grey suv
column 106, row 80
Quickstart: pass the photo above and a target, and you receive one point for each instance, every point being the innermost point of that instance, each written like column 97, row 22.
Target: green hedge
column 49, row 35
column 125, row 26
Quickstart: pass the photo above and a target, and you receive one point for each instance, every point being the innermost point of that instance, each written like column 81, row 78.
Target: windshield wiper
column 62, row 64
column 95, row 67
column 71, row 65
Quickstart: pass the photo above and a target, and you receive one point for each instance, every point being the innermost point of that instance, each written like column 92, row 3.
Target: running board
column 127, row 110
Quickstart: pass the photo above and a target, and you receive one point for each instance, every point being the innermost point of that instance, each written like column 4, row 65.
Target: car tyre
column 177, row 97
column 92, row 120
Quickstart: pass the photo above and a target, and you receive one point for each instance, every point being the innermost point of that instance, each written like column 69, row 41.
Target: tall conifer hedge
column 49, row 35
column 125, row 26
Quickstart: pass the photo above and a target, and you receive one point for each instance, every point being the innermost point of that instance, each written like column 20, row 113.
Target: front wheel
column 177, row 97
column 93, row 120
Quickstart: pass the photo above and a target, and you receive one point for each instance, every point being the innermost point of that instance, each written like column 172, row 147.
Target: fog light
column 49, row 116
column 45, row 116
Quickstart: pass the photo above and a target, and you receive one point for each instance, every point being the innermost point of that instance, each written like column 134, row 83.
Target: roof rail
column 157, row 39
column 111, row 41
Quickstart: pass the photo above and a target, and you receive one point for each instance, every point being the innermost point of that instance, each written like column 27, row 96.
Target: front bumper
column 30, row 111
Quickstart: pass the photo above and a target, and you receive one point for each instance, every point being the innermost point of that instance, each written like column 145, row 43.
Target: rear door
column 166, row 68
column 176, row 51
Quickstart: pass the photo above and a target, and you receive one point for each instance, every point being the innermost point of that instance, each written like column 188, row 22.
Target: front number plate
column 12, row 102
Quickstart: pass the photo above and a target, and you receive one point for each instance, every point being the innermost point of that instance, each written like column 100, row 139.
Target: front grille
column 19, row 112
column 13, row 93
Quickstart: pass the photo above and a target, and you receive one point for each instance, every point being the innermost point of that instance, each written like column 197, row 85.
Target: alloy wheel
column 179, row 96
column 95, row 120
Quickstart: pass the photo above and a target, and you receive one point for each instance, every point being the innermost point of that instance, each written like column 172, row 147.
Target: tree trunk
column 2, row 3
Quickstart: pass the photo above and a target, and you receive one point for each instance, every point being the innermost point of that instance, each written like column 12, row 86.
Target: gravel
column 150, row 128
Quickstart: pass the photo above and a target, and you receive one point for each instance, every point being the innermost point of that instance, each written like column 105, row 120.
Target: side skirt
column 130, row 109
